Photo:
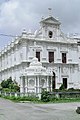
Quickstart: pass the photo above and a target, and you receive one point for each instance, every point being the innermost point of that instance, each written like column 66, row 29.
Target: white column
column 35, row 49
column 51, row 84
column 58, row 55
column 38, row 84
column 26, row 84
column 47, row 83
column 16, row 95
column 35, row 84
column 12, row 56
column 21, row 85
column 24, row 53
column 16, row 55
column 70, row 82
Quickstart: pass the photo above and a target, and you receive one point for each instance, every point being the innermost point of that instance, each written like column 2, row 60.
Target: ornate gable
column 50, row 20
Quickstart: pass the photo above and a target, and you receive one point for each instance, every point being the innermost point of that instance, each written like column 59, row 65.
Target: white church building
column 43, row 59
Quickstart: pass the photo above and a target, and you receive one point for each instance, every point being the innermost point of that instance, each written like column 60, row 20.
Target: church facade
column 57, row 53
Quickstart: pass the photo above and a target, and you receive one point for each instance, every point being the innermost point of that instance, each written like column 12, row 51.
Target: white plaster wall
column 26, row 50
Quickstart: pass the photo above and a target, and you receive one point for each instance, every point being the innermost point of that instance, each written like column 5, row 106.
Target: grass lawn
column 36, row 100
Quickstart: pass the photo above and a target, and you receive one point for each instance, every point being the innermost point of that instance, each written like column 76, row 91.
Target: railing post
column 5, row 94
column 10, row 94
column 16, row 95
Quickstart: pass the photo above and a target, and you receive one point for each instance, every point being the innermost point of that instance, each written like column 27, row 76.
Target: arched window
column 31, row 83
column 50, row 34
column 42, row 83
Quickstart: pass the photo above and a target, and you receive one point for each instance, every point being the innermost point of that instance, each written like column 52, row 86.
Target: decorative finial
column 42, row 18
column 50, row 11
column 16, row 37
column 24, row 31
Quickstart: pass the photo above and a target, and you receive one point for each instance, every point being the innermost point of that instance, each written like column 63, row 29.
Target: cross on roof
column 50, row 11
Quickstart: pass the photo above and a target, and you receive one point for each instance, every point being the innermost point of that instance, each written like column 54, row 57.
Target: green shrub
column 6, row 90
column 19, row 98
column 53, row 98
column 62, row 87
column 71, row 89
column 6, row 83
column 10, row 86
column 45, row 96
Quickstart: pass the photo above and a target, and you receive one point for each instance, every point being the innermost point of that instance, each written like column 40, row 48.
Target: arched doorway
column 53, row 81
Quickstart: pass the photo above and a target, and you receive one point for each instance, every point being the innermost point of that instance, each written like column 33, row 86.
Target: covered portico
column 35, row 78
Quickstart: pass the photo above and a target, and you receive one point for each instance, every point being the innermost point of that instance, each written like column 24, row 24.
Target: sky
column 16, row 15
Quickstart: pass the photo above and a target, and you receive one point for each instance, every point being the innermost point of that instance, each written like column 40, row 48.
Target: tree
column 10, row 85
column 6, row 83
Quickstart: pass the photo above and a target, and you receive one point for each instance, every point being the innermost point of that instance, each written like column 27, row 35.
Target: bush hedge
column 45, row 96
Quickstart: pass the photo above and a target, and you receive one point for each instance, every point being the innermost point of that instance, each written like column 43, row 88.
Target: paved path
column 30, row 111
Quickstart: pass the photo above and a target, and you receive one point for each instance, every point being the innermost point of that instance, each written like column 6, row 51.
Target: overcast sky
column 15, row 15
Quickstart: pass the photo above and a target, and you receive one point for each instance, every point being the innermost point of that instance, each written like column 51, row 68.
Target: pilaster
column 47, row 83
column 38, row 84
column 26, row 84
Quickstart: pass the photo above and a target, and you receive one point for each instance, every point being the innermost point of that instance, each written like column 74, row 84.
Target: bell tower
column 50, row 26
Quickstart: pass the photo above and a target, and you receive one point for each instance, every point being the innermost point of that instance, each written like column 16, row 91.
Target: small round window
column 50, row 34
